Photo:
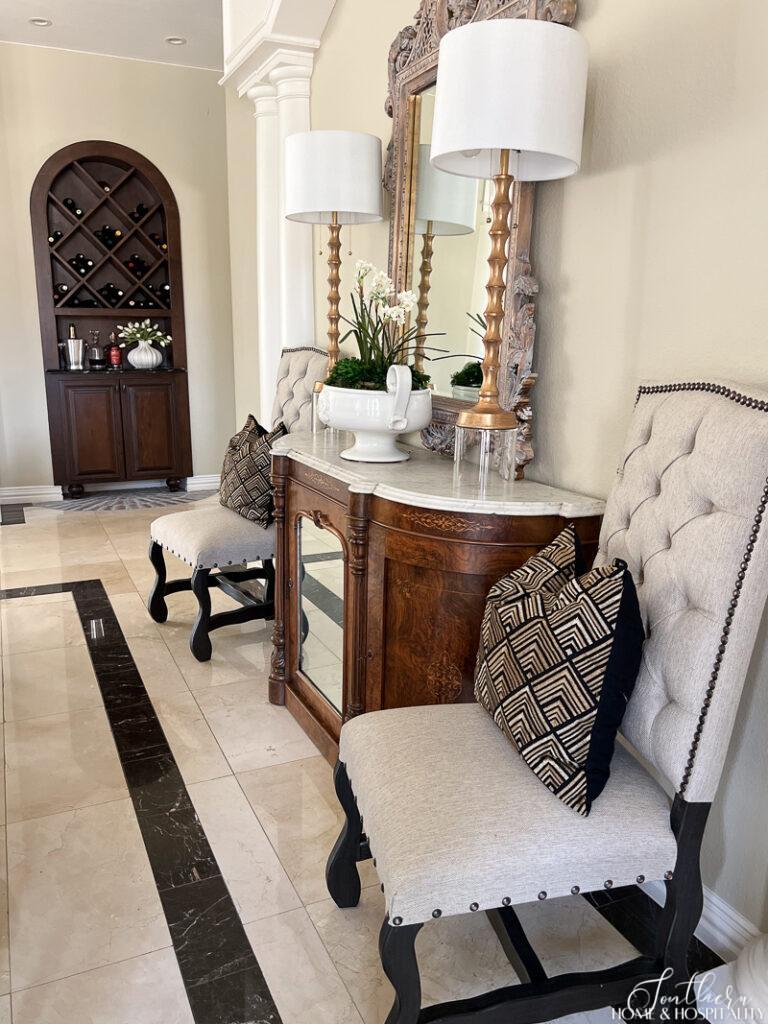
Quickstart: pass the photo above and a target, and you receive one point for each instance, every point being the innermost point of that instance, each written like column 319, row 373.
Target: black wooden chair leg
column 341, row 874
column 156, row 605
column 269, row 577
column 199, row 641
column 398, row 958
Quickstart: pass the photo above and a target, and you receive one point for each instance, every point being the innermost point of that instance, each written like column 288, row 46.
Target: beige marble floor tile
column 39, row 627
column 5, row 961
column 132, row 541
column 3, row 809
column 81, row 894
column 570, row 935
column 257, row 882
column 144, row 990
column 112, row 574
column 194, row 746
column 64, row 597
column 156, row 667
column 301, row 976
column 297, row 806
column 59, row 762
column 236, row 658
column 133, row 616
column 41, row 552
column 5, row 1010
column 143, row 575
column 42, row 518
column 251, row 732
column 49, row 682
column 458, row 956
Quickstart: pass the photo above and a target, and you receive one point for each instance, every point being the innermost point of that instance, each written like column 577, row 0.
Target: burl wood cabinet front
column 415, row 583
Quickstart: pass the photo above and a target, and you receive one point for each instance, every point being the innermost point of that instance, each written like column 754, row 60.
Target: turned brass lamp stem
column 334, row 263
column 425, row 273
column 487, row 414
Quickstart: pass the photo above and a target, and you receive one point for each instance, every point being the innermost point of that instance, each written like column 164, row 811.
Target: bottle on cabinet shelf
column 75, row 348
column 72, row 206
column 54, row 237
column 159, row 241
column 105, row 186
column 136, row 264
column 108, row 236
column 113, row 351
column 111, row 293
column 81, row 263
column 60, row 291
column 139, row 213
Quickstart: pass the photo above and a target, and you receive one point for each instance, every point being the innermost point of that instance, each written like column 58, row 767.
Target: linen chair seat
column 462, row 823
column 207, row 538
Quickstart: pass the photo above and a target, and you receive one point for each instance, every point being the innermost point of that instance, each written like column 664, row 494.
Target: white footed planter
column 377, row 417
column 465, row 393
column 145, row 356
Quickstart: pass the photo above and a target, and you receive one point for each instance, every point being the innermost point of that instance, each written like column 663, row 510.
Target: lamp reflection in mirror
column 445, row 205
column 333, row 178
column 509, row 104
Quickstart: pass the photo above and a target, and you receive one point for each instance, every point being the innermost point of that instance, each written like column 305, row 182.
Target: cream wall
column 175, row 117
column 241, row 175
column 651, row 263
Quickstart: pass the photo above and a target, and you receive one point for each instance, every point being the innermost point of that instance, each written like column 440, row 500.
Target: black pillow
column 559, row 655
column 245, row 486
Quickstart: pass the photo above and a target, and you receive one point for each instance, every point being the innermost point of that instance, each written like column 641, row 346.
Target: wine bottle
column 59, row 291
column 72, row 206
column 141, row 211
column 54, row 237
column 159, row 241
column 105, row 186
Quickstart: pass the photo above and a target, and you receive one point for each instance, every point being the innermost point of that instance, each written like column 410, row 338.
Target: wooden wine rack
column 80, row 172
column 110, row 424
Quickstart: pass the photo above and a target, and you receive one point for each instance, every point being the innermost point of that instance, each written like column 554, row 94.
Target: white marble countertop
column 427, row 481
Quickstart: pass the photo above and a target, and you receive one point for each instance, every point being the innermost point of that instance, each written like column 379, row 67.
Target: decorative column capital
column 264, row 99
column 292, row 81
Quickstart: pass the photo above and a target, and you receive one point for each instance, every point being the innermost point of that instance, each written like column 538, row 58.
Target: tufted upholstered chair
column 215, row 537
column 456, row 821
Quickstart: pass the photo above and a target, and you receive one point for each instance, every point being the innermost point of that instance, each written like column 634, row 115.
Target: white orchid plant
column 379, row 327
column 144, row 331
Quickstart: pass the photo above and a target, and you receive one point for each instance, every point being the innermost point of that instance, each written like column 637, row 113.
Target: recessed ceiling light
column 176, row 40
column 40, row 22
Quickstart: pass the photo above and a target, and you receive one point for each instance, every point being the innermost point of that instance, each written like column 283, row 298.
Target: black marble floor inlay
column 12, row 515
column 222, row 977
column 323, row 598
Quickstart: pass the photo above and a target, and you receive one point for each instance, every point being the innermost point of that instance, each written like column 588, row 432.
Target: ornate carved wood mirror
column 439, row 227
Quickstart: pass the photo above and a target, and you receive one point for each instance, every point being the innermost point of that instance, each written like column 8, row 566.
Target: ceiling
column 121, row 28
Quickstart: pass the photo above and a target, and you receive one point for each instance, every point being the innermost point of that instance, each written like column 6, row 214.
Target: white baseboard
column 30, row 494
column 204, row 482
column 722, row 928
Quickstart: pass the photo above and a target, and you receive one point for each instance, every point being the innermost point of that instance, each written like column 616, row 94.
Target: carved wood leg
column 156, row 605
column 75, row 490
column 277, row 665
column 398, row 958
column 199, row 641
column 173, row 483
column 341, row 874
column 356, row 612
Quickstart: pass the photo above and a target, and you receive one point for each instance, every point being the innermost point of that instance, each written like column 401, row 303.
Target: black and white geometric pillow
column 245, row 486
column 559, row 655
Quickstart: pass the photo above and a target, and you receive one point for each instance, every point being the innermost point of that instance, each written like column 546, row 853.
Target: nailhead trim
column 669, row 875
column 506, row 901
column 608, row 884
column 397, row 921
column 437, row 913
column 575, row 890
column 640, row 879
column 474, row 906
column 542, row 895
column 761, row 406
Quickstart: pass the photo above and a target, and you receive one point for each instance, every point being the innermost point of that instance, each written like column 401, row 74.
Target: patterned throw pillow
column 559, row 654
column 245, row 484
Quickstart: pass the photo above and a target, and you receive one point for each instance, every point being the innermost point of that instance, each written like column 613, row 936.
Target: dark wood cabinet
column 106, row 234
column 415, row 581
column 118, row 426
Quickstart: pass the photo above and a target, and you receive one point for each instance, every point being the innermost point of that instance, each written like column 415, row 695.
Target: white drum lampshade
column 516, row 84
column 445, row 202
column 333, row 172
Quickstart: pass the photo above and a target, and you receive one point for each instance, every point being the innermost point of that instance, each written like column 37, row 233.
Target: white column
column 297, row 301
column 268, row 229
column 751, row 975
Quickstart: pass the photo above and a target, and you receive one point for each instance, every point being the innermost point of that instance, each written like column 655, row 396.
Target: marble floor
column 165, row 829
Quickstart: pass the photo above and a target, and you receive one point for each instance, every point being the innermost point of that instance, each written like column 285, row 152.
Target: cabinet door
column 93, row 430
column 149, row 428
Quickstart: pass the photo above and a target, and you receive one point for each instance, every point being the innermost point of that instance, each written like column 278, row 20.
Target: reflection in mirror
column 449, row 268
column 321, row 609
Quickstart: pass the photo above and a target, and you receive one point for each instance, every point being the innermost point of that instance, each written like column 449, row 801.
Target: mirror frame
column 412, row 69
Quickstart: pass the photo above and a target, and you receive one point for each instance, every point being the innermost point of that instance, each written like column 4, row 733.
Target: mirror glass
column 449, row 269
column 321, row 609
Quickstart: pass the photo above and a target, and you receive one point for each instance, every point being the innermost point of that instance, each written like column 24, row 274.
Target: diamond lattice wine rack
column 106, row 236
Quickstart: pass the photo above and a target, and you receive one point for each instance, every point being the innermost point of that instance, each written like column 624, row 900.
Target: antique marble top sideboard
column 382, row 574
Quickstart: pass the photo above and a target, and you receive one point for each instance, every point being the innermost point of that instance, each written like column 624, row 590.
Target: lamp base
column 477, row 451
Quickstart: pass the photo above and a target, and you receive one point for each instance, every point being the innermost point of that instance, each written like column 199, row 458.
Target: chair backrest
column 297, row 373
column 686, row 514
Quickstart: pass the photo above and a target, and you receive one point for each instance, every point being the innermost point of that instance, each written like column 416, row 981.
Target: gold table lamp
column 509, row 104
column 333, row 178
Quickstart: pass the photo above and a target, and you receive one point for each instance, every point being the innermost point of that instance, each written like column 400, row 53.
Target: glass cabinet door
column 321, row 609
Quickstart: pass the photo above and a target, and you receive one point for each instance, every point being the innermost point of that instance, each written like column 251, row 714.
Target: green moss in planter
column 350, row 372
column 469, row 376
